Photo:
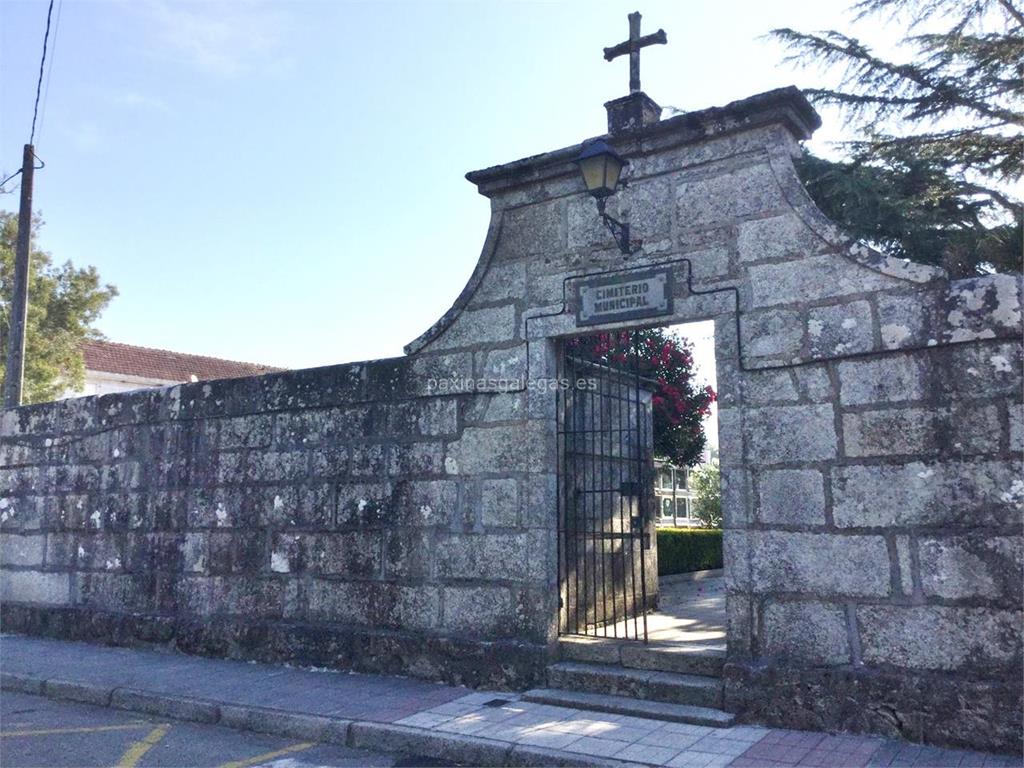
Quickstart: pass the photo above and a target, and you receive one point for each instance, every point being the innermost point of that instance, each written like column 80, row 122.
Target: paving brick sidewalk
column 466, row 726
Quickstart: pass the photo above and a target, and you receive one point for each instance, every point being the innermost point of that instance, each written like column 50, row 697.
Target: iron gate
column 605, row 487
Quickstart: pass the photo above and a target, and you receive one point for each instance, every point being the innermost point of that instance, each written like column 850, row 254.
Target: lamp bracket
column 619, row 231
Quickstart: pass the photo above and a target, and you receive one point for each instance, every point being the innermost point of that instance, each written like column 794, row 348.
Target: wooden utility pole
column 15, row 371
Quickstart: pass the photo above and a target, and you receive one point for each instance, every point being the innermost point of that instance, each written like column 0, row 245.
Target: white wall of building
column 103, row 383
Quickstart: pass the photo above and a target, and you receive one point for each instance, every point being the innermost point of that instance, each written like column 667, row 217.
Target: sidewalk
column 404, row 715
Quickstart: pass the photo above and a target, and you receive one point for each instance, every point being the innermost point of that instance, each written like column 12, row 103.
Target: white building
column 673, row 493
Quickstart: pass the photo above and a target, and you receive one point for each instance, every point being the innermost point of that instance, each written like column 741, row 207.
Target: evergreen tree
column 940, row 146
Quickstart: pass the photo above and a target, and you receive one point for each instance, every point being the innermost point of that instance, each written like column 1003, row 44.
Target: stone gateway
column 871, row 433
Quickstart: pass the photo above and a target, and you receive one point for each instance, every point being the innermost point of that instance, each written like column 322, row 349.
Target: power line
column 49, row 68
column 42, row 64
column 9, row 178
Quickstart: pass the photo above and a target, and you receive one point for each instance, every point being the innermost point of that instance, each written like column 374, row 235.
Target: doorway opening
column 640, row 553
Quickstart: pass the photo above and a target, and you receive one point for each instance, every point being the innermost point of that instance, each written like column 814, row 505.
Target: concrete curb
column 470, row 750
column 84, row 693
column 193, row 710
column 328, row 730
column 20, row 683
column 358, row 734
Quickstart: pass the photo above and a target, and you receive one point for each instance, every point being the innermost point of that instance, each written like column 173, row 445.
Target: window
column 683, row 507
column 666, row 507
column 665, row 478
column 683, row 476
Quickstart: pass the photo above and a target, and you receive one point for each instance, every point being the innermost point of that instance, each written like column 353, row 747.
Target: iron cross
column 632, row 47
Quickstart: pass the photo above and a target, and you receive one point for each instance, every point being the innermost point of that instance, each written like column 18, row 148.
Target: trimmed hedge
column 681, row 550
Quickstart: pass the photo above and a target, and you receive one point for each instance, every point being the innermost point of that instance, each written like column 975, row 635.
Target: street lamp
column 601, row 168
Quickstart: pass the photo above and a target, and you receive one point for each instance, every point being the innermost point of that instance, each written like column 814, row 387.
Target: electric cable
column 39, row 82
column 49, row 68
column 9, row 178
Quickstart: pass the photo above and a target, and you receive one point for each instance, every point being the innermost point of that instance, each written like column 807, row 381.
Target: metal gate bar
column 604, row 472
column 645, row 482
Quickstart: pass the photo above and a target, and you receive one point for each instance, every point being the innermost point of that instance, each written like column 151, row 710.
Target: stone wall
column 876, row 577
column 327, row 516
column 870, row 427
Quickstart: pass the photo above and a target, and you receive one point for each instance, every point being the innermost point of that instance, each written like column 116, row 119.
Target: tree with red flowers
column 680, row 403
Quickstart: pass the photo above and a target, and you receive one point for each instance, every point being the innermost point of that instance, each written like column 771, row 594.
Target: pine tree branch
column 855, row 100
column 868, row 71
column 1013, row 12
column 1012, row 206
column 940, row 189
column 919, row 11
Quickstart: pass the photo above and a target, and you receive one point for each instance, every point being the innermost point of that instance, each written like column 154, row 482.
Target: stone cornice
column 783, row 106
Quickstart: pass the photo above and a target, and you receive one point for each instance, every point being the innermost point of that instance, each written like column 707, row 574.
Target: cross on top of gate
column 632, row 46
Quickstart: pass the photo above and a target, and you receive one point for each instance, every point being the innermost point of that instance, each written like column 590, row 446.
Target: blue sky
column 283, row 182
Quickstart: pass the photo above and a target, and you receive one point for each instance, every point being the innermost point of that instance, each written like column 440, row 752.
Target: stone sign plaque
column 625, row 296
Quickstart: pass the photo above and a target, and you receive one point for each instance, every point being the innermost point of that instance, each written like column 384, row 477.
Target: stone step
column 623, row 705
column 684, row 658
column 652, row 685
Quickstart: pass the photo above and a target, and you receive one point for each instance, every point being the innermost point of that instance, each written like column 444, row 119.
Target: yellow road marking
column 269, row 755
column 90, row 729
column 135, row 752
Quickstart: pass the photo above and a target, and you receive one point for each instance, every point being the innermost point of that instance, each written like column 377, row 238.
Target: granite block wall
column 877, row 577
column 315, row 516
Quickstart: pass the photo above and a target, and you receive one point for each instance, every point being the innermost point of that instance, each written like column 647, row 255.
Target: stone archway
column 840, row 371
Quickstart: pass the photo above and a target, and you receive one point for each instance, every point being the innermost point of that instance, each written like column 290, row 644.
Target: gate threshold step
column 623, row 705
column 706, row 658
column 642, row 684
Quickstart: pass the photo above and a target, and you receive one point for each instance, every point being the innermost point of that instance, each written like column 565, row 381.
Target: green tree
column 679, row 402
column 939, row 142
column 706, row 481
column 64, row 304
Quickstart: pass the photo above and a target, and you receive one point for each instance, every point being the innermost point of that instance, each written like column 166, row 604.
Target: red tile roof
column 111, row 357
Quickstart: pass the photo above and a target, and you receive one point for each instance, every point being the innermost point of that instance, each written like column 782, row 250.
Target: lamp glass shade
column 601, row 167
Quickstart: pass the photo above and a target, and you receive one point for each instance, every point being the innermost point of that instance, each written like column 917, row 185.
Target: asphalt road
column 36, row 732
